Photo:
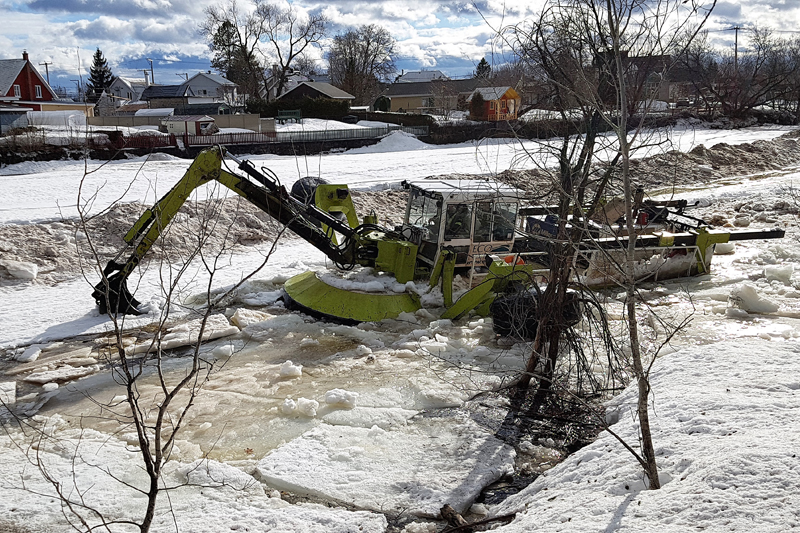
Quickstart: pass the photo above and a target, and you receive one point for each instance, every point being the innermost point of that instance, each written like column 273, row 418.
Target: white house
column 208, row 88
column 416, row 76
column 130, row 89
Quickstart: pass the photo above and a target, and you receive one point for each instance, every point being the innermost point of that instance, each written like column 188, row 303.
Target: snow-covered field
column 374, row 419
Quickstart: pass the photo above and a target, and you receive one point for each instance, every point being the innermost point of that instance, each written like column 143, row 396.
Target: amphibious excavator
column 478, row 228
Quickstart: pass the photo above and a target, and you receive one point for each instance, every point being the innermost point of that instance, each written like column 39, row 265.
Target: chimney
column 146, row 79
column 25, row 55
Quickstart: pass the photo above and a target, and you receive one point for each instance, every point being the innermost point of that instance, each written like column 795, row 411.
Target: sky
column 450, row 35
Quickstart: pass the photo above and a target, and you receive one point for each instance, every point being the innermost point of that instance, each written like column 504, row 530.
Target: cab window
column 458, row 222
column 424, row 212
column 504, row 217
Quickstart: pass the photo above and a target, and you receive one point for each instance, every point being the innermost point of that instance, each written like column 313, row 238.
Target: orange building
column 500, row 103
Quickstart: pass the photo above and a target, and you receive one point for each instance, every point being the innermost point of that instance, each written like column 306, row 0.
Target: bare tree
column 582, row 52
column 444, row 98
column 739, row 81
column 246, row 40
column 234, row 35
column 157, row 400
column 289, row 34
column 360, row 59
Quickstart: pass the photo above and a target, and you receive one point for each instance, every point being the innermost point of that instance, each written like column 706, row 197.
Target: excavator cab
column 470, row 218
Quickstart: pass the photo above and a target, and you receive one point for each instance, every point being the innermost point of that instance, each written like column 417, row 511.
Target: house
column 421, row 76
column 430, row 96
column 160, row 96
column 208, row 88
column 500, row 103
column 291, row 79
column 21, row 82
column 22, row 85
column 202, row 94
column 191, row 124
column 315, row 89
column 129, row 89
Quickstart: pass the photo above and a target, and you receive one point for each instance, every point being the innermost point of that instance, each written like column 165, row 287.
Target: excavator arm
column 359, row 245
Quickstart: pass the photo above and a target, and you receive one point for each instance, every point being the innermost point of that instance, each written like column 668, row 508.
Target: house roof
column 133, row 82
column 157, row 112
column 132, row 107
column 422, row 76
column 493, row 93
column 189, row 118
column 167, row 91
column 14, row 109
column 9, row 70
column 426, row 88
column 221, row 80
column 325, row 88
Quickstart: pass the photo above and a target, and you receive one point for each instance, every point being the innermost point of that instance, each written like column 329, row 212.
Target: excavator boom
column 359, row 244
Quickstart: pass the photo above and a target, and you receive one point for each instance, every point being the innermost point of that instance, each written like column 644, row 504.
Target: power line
column 47, row 69
column 180, row 61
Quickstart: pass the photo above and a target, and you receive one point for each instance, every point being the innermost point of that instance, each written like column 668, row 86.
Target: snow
column 359, row 466
column 373, row 419
column 341, row 398
column 291, row 370
column 50, row 189
column 725, row 443
column 20, row 269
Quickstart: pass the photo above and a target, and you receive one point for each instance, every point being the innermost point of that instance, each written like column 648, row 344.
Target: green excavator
column 478, row 228
column 449, row 225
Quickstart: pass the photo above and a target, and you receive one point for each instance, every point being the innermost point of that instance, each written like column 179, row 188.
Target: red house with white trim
column 21, row 82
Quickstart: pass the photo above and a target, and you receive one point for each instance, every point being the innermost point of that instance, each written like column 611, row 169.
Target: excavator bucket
column 113, row 298
column 309, row 294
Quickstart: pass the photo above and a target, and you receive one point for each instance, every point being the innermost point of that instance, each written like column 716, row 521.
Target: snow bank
column 724, row 428
column 416, row 471
column 397, row 141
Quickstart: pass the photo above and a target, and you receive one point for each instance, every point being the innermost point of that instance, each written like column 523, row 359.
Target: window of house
column 38, row 91
column 491, row 105
column 17, row 92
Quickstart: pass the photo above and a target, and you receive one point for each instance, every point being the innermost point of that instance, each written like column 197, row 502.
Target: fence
column 247, row 121
column 147, row 141
column 299, row 136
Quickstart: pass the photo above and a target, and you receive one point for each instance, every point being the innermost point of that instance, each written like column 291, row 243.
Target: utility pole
column 152, row 75
column 183, row 74
column 736, row 49
column 47, row 70
column 80, row 89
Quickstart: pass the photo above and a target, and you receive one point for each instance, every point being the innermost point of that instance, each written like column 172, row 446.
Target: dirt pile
column 62, row 249
column 674, row 169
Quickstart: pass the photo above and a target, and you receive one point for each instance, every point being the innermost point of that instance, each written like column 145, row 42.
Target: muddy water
column 237, row 415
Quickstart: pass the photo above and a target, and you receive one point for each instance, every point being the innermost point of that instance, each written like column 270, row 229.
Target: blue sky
column 446, row 35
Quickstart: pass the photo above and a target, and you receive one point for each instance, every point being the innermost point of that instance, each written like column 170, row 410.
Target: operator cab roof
column 467, row 190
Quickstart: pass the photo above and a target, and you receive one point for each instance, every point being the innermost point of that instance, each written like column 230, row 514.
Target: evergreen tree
column 477, row 107
column 100, row 77
column 483, row 70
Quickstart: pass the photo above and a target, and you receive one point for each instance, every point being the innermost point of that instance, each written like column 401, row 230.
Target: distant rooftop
column 421, row 75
